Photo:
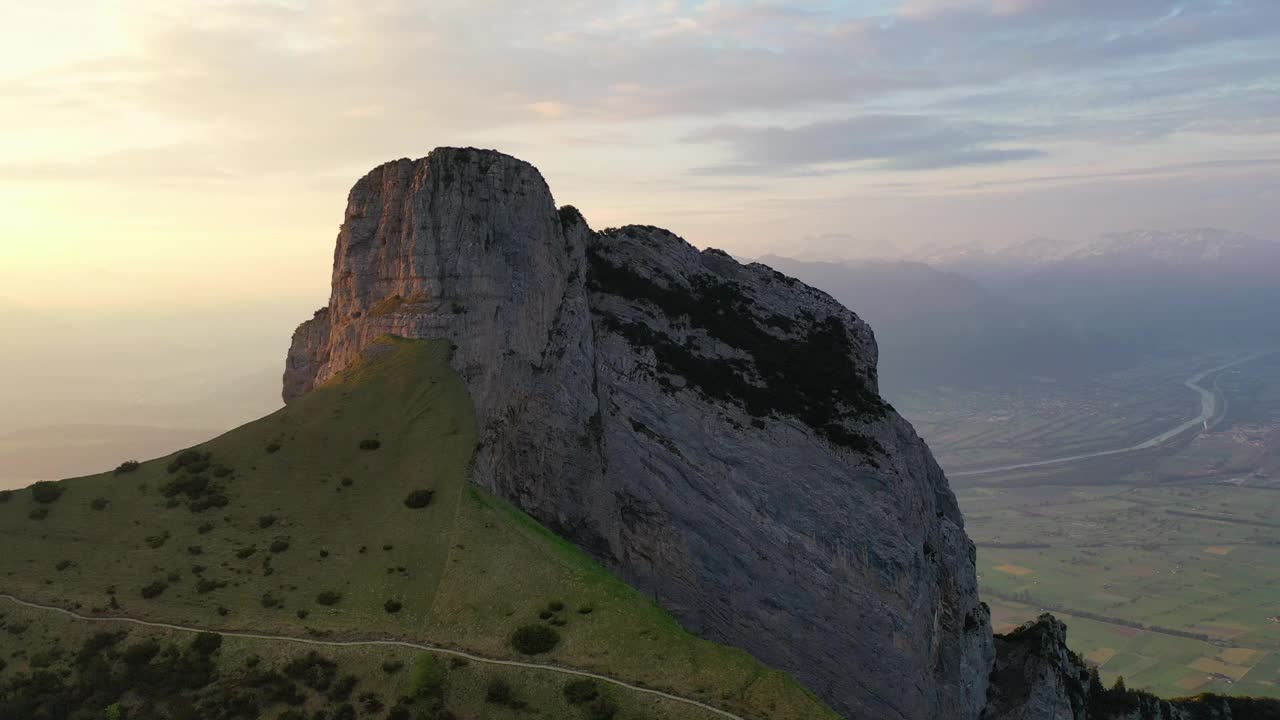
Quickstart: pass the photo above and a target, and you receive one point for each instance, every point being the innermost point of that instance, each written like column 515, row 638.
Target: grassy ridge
column 298, row 523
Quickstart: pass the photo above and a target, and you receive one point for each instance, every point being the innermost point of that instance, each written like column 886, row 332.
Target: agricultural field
column 968, row 429
column 1165, row 564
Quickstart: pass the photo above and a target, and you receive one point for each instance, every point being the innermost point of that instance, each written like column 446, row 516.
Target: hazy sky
column 176, row 153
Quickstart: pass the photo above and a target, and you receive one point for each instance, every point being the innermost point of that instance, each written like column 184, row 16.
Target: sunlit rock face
column 713, row 432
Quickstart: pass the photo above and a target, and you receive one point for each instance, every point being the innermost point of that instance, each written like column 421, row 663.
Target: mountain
column 944, row 328
column 346, row 516
column 527, row 469
column 1167, row 290
column 710, row 431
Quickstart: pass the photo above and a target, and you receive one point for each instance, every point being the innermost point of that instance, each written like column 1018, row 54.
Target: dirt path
column 379, row 643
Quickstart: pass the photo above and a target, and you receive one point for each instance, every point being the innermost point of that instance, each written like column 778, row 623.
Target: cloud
column 895, row 142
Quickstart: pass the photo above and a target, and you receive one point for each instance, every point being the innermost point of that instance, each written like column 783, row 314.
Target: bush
column 370, row 444
column 602, row 709
column 62, row 565
column 5, row 496
column 39, row 513
column 555, row 606
column 220, row 471
column 267, row 521
column 499, row 692
column 534, row 639
column 127, row 466
column 154, row 589
column 205, row 528
column 392, row 666
column 206, row 586
column 99, row 503
column 347, row 482
column 392, row 606
column 272, row 447
column 279, row 545
column 329, row 597
column 46, row 491
column 578, row 692
column 586, row 610
column 419, row 499
column 246, row 551
column 206, row 643
column 157, row 541
column 270, row 601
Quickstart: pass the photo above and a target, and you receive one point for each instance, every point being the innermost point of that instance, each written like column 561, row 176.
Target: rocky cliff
column 711, row 431
column 1036, row 677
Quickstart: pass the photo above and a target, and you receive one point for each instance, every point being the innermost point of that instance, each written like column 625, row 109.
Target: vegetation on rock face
column 812, row 378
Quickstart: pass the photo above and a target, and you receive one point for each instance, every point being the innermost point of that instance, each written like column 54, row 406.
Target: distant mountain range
column 1047, row 308
column 944, row 328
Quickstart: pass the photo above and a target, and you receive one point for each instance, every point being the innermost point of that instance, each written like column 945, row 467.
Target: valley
column 1164, row 562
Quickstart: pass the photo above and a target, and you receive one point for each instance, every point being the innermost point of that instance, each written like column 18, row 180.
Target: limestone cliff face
column 1036, row 677
column 711, row 431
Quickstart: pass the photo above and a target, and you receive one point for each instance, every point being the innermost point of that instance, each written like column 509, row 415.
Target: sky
column 174, row 154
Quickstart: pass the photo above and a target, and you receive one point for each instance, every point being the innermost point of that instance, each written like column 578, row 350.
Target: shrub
column 246, row 551
column 270, row 601
column 545, row 615
column 220, row 471
column 206, row 586
column 392, row 666
column 205, row 528
column 195, row 550
column 586, row 610
column 602, row 709
column 5, row 496
column 272, row 447
column 46, row 491
column 62, row 565
column 534, row 639
column 279, row 545
column 206, row 643
column 99, row 503
column 39, row 513
column 578, row 692
column 154, row 589
column 329, row 597
column 499, row 692
column 370, row 444
column 267, row 521
column 419, row 499
column 302, row 613
column 213, row 500
column 156, row 541
column 127, row 466
column 392, row 606
column 347, row 482
column 555, row 606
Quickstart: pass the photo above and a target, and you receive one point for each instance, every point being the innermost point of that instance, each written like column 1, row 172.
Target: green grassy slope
column 288, row 525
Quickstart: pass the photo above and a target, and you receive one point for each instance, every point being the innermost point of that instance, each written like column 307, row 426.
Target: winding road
column 378, row 643
column 1208, row 409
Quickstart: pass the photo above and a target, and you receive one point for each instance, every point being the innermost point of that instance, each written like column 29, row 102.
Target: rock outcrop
column 711, row 431
column 1036, row 677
